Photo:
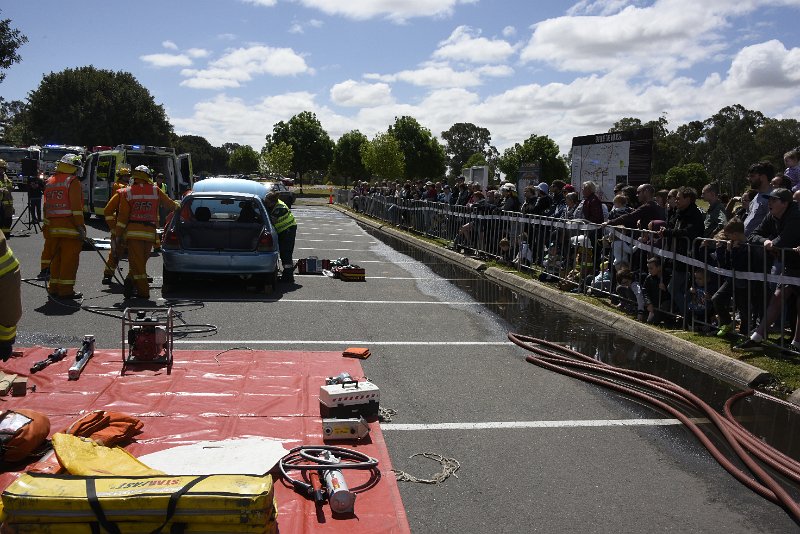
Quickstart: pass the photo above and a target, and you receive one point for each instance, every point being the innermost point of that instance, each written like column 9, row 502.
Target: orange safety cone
column 330, row 199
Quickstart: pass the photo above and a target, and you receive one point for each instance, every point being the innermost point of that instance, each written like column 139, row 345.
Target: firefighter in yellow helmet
column 136, row 224
column 63, row 228
column 110, row 213
column 11, row 310
column 6, row 199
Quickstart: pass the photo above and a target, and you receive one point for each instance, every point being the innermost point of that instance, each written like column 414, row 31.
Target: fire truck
column 50, row 155
column 101, row 167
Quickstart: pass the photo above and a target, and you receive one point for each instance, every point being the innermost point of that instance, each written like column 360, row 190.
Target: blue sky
column 230, row 69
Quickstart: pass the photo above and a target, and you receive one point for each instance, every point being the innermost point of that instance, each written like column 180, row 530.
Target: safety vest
column 56, row 196
column 8, row 264
column 285, row 217
column 143, row 201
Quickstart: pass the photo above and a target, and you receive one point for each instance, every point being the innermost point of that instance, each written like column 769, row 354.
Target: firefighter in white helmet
column 136, row 224
column 63, row 228
column 6, row 199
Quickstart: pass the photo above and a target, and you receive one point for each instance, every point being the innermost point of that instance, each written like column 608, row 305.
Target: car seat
column 202, row 214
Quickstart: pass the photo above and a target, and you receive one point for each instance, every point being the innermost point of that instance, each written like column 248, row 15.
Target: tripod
column 31, row 222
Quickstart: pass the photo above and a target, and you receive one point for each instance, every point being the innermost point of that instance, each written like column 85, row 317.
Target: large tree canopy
column 424, row 155
column 244, row 160
column 312, row 146
column 10, row 41
column 462, row 141
column 383, row 157
column 277, row 159
column 206, row 159
column 347, row 161
column 88, row 106
column 535, row 149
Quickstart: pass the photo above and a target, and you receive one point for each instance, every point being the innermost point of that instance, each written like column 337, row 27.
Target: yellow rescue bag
column 83, row 456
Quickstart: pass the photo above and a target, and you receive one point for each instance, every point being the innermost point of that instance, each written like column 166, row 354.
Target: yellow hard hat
column 69, row 164
column 3, row 164
column 124, row 170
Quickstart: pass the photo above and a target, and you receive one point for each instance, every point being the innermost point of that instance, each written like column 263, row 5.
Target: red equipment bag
column 21, row 433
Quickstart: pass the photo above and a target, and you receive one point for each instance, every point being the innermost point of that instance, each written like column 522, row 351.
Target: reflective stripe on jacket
column 283, row 218
column 143, row 201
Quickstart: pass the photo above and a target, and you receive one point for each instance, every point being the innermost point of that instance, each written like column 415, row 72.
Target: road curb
column 700, row 358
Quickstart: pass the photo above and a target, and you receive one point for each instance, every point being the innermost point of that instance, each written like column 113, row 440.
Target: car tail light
column 265, row 242
column 171, row 240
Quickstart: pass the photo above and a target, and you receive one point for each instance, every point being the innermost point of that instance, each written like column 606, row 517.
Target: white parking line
column 538, row 424
column 307, row 277
column 235, row 342
column 422, row 302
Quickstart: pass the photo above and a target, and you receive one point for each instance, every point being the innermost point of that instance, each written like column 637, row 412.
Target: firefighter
column 136, row 223
column 11, row 310
column 286, row 227
column 6, row 199
column 64, row 230
column 110, row 213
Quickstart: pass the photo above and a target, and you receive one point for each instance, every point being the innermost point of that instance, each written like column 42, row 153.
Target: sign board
column 478, row 174
column 611, row 158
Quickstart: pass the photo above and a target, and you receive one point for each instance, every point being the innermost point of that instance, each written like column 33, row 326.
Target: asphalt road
column 439, row 356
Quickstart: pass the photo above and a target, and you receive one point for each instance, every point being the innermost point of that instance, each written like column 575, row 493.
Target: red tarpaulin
column 215, row 396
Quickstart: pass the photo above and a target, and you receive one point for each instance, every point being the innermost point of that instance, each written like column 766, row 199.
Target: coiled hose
column 656, row 391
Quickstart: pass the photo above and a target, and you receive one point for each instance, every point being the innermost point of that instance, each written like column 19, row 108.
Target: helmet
column 70, row 163
column 3, row 164
column 124, row 170
column 142, row 172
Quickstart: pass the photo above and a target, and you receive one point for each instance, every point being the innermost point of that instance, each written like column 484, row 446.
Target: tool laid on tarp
column 56, row 356
column 326, row 463
column 351, row 428
column 342, row 396
column 357, row 352
column 219, row 503
column 147, row 336
column 106, row 427
column 82, row 357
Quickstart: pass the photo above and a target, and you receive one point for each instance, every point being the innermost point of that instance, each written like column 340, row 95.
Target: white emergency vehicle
column 100, row 171
column 50, row 155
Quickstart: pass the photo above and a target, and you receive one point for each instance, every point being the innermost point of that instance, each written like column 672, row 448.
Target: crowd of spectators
column 655, row 253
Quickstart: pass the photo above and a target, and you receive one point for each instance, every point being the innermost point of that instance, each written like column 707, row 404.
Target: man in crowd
column 685, row 228
column 648, row 210
column 759, row 175
column 591, row 207
column 779, row 234
column 715, row 215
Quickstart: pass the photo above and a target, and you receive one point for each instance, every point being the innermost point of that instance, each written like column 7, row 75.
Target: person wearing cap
column 445, row 196
column 510, row 200
column 286, row 226
column 6, row 199
column 110, row 214
column 136, row 222
column 543, row 201
column 63, row 228
column 779, row 234
column 429, row 193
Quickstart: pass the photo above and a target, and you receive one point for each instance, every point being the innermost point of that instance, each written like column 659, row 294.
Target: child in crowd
column 504, row 251
column 553, row 264
column 601, row 283
column 792, row 161
column 656, row 297
column 630, row 294
column 735, row 254
column 525, row 254
column 700, row 298
column 584, row 264
column 620, row 207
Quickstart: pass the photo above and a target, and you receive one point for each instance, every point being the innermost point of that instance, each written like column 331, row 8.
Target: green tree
column 730, row 145
column 10, row 41
column 383, row 157
column 775, row 138
column 10, row 114
column 243, row 160
column 347, row 161
column 312, row 146
column 476, row 160
column 691, row 174
column 535, row 149
column 462, row 141
column 277, row 160
column 424, row 156
column 88, row 106
column 206, row 159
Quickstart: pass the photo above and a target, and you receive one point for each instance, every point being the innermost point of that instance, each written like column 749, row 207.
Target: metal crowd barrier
column 579, row 256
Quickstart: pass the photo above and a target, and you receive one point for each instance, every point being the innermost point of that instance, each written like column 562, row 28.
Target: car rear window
column 226, row 208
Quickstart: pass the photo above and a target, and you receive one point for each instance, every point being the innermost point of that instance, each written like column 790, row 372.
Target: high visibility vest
column 285, row 217
column 143, row 200
column 8, row 265
column 56, row 196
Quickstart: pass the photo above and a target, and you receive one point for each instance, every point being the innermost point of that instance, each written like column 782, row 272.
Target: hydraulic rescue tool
column 147, row 336
column 56, row 356
column 319, row 464
column 82, row 358
column 342, row 429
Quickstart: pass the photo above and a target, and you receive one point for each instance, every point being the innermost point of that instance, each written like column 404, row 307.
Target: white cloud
column 166, row 60
column 351, row 93
column 226, row 36
column 263, row 3
column 597, row 7
column 197, row 52
column 395, row 10
column 509, row 31
column 169, row 45
column 765, row 65
column 465, row 44
column 300, row 27
column 242, row 64
column 434, row 74
column 296, row 27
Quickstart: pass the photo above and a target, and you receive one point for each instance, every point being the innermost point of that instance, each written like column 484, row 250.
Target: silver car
column 222, row 228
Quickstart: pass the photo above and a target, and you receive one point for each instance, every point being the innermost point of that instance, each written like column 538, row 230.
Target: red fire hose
column 677, row 401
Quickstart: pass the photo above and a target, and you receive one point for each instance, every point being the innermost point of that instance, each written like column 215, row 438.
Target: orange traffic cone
column 330, row 198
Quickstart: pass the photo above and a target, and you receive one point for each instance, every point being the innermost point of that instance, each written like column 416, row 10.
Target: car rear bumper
column 207, row 262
